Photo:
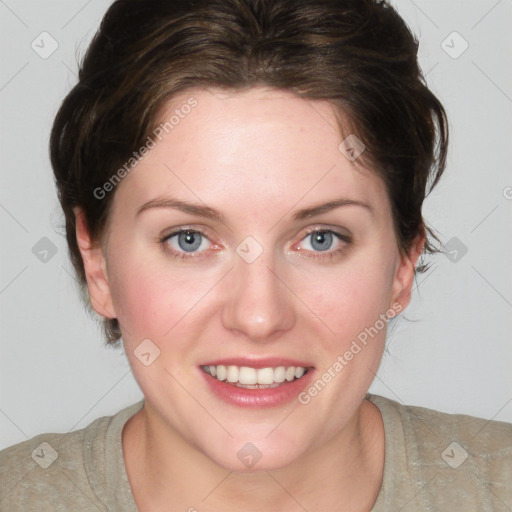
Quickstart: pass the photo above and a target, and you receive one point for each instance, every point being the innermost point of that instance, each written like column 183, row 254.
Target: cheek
column 146, row 301
column 355, row 305
column 139, row 304
column 351, row 297
column 155, row 300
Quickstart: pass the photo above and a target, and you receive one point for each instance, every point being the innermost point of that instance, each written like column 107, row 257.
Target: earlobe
column 95, row 268
column 404, row 276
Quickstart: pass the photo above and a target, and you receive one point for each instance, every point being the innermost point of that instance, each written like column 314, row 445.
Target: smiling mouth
column 255, row 378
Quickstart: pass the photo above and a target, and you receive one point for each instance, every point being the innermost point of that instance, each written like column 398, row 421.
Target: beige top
column 434, row 461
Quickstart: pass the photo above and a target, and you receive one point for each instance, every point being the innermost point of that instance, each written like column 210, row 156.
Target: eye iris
column 189, row 241
column 321, row 240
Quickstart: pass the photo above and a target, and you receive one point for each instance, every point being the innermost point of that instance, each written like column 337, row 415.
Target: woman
column 242, row 183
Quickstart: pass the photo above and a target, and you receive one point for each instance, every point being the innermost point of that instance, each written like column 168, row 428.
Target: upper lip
column 266, row 362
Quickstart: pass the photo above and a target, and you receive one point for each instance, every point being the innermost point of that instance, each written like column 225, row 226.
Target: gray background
column 451, row 350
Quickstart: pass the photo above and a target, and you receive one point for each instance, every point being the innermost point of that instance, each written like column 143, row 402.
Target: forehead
column 254, row 145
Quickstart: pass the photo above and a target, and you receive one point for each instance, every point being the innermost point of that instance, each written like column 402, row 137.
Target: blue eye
column 185, row 241
column 189, row 241
column 321, row 244
column 321, row 240
column 325, row 244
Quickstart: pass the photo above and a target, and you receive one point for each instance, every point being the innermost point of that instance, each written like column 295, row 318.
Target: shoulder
column 449, row 459
column 484, row 443
column 47, row 470
column 53, row 471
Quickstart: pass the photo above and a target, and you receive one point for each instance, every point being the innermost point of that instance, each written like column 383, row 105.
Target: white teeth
column 247, row 376
column 290, row 373
column 252, row 377
column 265, row 376
column 279, row 374
column 221, row 372
column 299, row 372
column 232, row 375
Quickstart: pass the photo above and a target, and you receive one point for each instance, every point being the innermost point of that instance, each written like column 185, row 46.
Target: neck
column 164, row 469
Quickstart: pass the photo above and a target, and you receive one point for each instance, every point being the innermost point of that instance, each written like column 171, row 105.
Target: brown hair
column 357, row 54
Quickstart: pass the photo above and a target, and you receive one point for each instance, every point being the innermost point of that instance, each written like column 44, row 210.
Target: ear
column 405, row 272
column 95, row 268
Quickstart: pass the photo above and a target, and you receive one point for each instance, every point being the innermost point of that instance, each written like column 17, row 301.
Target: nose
column 258, row 304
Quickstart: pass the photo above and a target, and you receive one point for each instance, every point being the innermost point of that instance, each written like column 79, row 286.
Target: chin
column 263, row 453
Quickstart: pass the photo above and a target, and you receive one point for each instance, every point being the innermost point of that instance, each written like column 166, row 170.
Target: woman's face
column 258, row 282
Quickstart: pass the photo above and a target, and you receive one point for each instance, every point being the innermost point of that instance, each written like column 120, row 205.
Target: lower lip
column 255, row 398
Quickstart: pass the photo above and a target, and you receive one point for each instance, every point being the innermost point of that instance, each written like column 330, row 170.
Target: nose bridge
column 257, row 303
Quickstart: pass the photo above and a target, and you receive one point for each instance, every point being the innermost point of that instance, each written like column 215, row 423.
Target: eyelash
column 181, row 255
column 322, row 255
column 329, row 255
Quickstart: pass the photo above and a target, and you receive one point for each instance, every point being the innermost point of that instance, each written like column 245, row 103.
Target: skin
column 257, row 156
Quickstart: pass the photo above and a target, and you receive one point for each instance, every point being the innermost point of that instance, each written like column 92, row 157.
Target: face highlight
column 246, row 235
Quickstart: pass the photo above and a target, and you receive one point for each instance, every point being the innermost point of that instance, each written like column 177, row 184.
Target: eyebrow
column 326, row 207
column 213, row 214
column 184, row 206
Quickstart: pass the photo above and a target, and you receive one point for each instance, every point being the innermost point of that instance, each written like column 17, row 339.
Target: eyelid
column 345, row 238
column 163, row 239
column 168, row 233
column 343, row 233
